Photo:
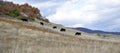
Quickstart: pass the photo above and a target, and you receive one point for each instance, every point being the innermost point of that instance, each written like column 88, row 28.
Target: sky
column 93, row 14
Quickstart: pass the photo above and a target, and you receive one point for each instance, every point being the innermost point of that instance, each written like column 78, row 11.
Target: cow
column 25, row 20
column 62, row 29
column 41, row 23
column 77, row 33
column 54, row 27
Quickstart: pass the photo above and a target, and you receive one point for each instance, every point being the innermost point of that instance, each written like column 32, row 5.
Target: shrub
column 0, row 6
column 14, row 13
column 11, row 14
column 7, row 13
column 31, row 18
column 46, row 20
column 20, row 17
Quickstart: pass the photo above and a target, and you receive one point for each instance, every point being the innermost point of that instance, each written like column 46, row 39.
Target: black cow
column 41, row 23
column 25, row 20
column 62, row 29
column 77, row 33
column 54, row 27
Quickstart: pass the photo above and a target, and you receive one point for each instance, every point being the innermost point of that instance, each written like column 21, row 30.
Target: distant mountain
column 96, row 31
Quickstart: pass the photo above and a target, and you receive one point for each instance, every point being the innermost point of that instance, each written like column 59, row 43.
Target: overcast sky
column 93, row 14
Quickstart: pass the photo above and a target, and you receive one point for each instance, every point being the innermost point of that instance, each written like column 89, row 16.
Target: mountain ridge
column 95, row 31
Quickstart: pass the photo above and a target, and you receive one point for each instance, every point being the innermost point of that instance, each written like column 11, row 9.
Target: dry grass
column 22, row 25
column 51, row 42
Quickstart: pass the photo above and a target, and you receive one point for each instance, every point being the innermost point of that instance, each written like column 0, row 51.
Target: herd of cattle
column 54, row 27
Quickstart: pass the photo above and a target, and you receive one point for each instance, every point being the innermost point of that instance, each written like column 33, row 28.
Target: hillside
column 25, row 35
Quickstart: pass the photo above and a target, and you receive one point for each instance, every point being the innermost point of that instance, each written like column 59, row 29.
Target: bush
column 31, row 18
column 46, row 20
column 19, row 17
column 14, row 13
column 1, row 6
column 11, row 14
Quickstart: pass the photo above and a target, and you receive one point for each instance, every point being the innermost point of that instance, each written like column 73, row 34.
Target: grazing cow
column 77, row 33
column 25, row 20
column 54, row 27
column 62, row 29
column 41, row 23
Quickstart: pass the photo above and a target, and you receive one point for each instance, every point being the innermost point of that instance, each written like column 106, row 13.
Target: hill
column 96, row 31
column 26, row 37
column 40, row 36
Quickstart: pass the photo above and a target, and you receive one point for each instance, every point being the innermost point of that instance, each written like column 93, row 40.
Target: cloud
column 115, row 25
column 18, row 1
column 87, row 13
column 45, row 4
column 48, row 7
column 76, row 25
column 74, row 12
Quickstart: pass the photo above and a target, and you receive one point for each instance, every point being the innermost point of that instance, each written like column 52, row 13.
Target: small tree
column 14, row 13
